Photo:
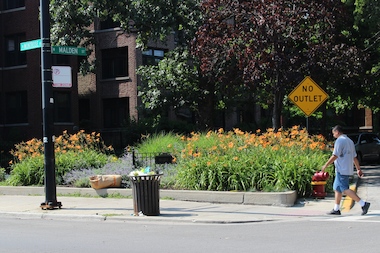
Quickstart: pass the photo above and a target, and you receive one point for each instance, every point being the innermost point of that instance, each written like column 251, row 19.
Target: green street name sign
column 68, row 50
column 32, row 44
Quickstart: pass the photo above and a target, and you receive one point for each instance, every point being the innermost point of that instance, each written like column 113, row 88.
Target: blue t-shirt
column 344, row 149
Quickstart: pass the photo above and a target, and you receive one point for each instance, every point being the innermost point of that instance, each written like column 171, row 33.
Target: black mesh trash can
column 146, row 194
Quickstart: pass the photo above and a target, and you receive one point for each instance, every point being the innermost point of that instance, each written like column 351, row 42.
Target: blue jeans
column 341, row 182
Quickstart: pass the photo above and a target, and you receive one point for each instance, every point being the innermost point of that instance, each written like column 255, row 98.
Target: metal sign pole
column 47, row 110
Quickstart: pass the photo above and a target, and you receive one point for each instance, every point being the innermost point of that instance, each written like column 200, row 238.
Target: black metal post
column 47, row 109
column 133, row 158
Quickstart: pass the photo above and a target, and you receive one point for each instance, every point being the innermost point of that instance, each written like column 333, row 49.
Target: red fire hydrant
column 318, row 181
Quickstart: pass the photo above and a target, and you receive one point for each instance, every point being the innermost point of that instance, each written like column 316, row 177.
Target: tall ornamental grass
column 160, row 143
column 243, row 161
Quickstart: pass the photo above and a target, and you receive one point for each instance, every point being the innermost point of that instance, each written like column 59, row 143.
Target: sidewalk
column 24, row 203
column 170, row 210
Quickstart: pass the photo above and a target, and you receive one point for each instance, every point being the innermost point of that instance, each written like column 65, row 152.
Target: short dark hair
column 338, row 128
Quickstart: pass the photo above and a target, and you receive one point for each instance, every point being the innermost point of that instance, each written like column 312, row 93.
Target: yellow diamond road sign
column 308, row 96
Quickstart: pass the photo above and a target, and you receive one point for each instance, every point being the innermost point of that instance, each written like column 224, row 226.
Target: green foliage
column 255, row 169
column 150, row 20
column 30, row 171
column 221, row 161
column 173, row 82
column 168, row 180
column 157, row 143
column 340, row 105
column 155, row 20
column 70, row 22
column 2, row 174
column 134, row 131
column 64, row 143
column 266, row 49
column 72, row 152
column 367, row 20
column 240, row 161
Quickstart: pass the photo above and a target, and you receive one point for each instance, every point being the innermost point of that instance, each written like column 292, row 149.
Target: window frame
column 14, row 56
column 62, row 111
column 115, row 63
column 151, row 56
column 108, row 24
column 115, row 112
column 13, row 4
column 16, row 114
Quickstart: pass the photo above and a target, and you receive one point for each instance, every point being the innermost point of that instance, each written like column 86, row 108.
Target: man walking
column 344, row 158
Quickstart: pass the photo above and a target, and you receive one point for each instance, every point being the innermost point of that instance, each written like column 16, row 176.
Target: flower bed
column 243, row 161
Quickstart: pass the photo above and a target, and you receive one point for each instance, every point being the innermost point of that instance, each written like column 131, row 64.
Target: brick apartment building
column 103, row 101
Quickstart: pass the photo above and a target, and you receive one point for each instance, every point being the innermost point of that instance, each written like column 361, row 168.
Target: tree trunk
column 206, row 112
column 277, row 107
column 277, row 98
column 206, row 108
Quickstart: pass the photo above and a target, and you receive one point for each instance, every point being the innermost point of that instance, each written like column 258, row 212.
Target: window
column 13, row 4
column 62, row 106
column 108, row 23
column 84, row 113
column 115, row 62
column 84, row 109
column 13, row 55
column 16, row 107
column 152, row 56
column 116, row 112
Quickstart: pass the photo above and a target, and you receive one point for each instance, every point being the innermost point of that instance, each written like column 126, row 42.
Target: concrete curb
column 159, row 218
column 47, row 216
column 285, row 199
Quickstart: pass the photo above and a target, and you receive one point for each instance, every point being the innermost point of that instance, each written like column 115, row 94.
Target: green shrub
column 30, row 171
column 241, row 161
column 2, row 174
column 157, row 143
column 78, row 160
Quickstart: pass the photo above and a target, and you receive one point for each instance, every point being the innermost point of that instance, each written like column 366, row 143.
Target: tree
column 72, row 21
column 269, row 46
column 173, row 83
column 367, row 22
column 366, row 35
